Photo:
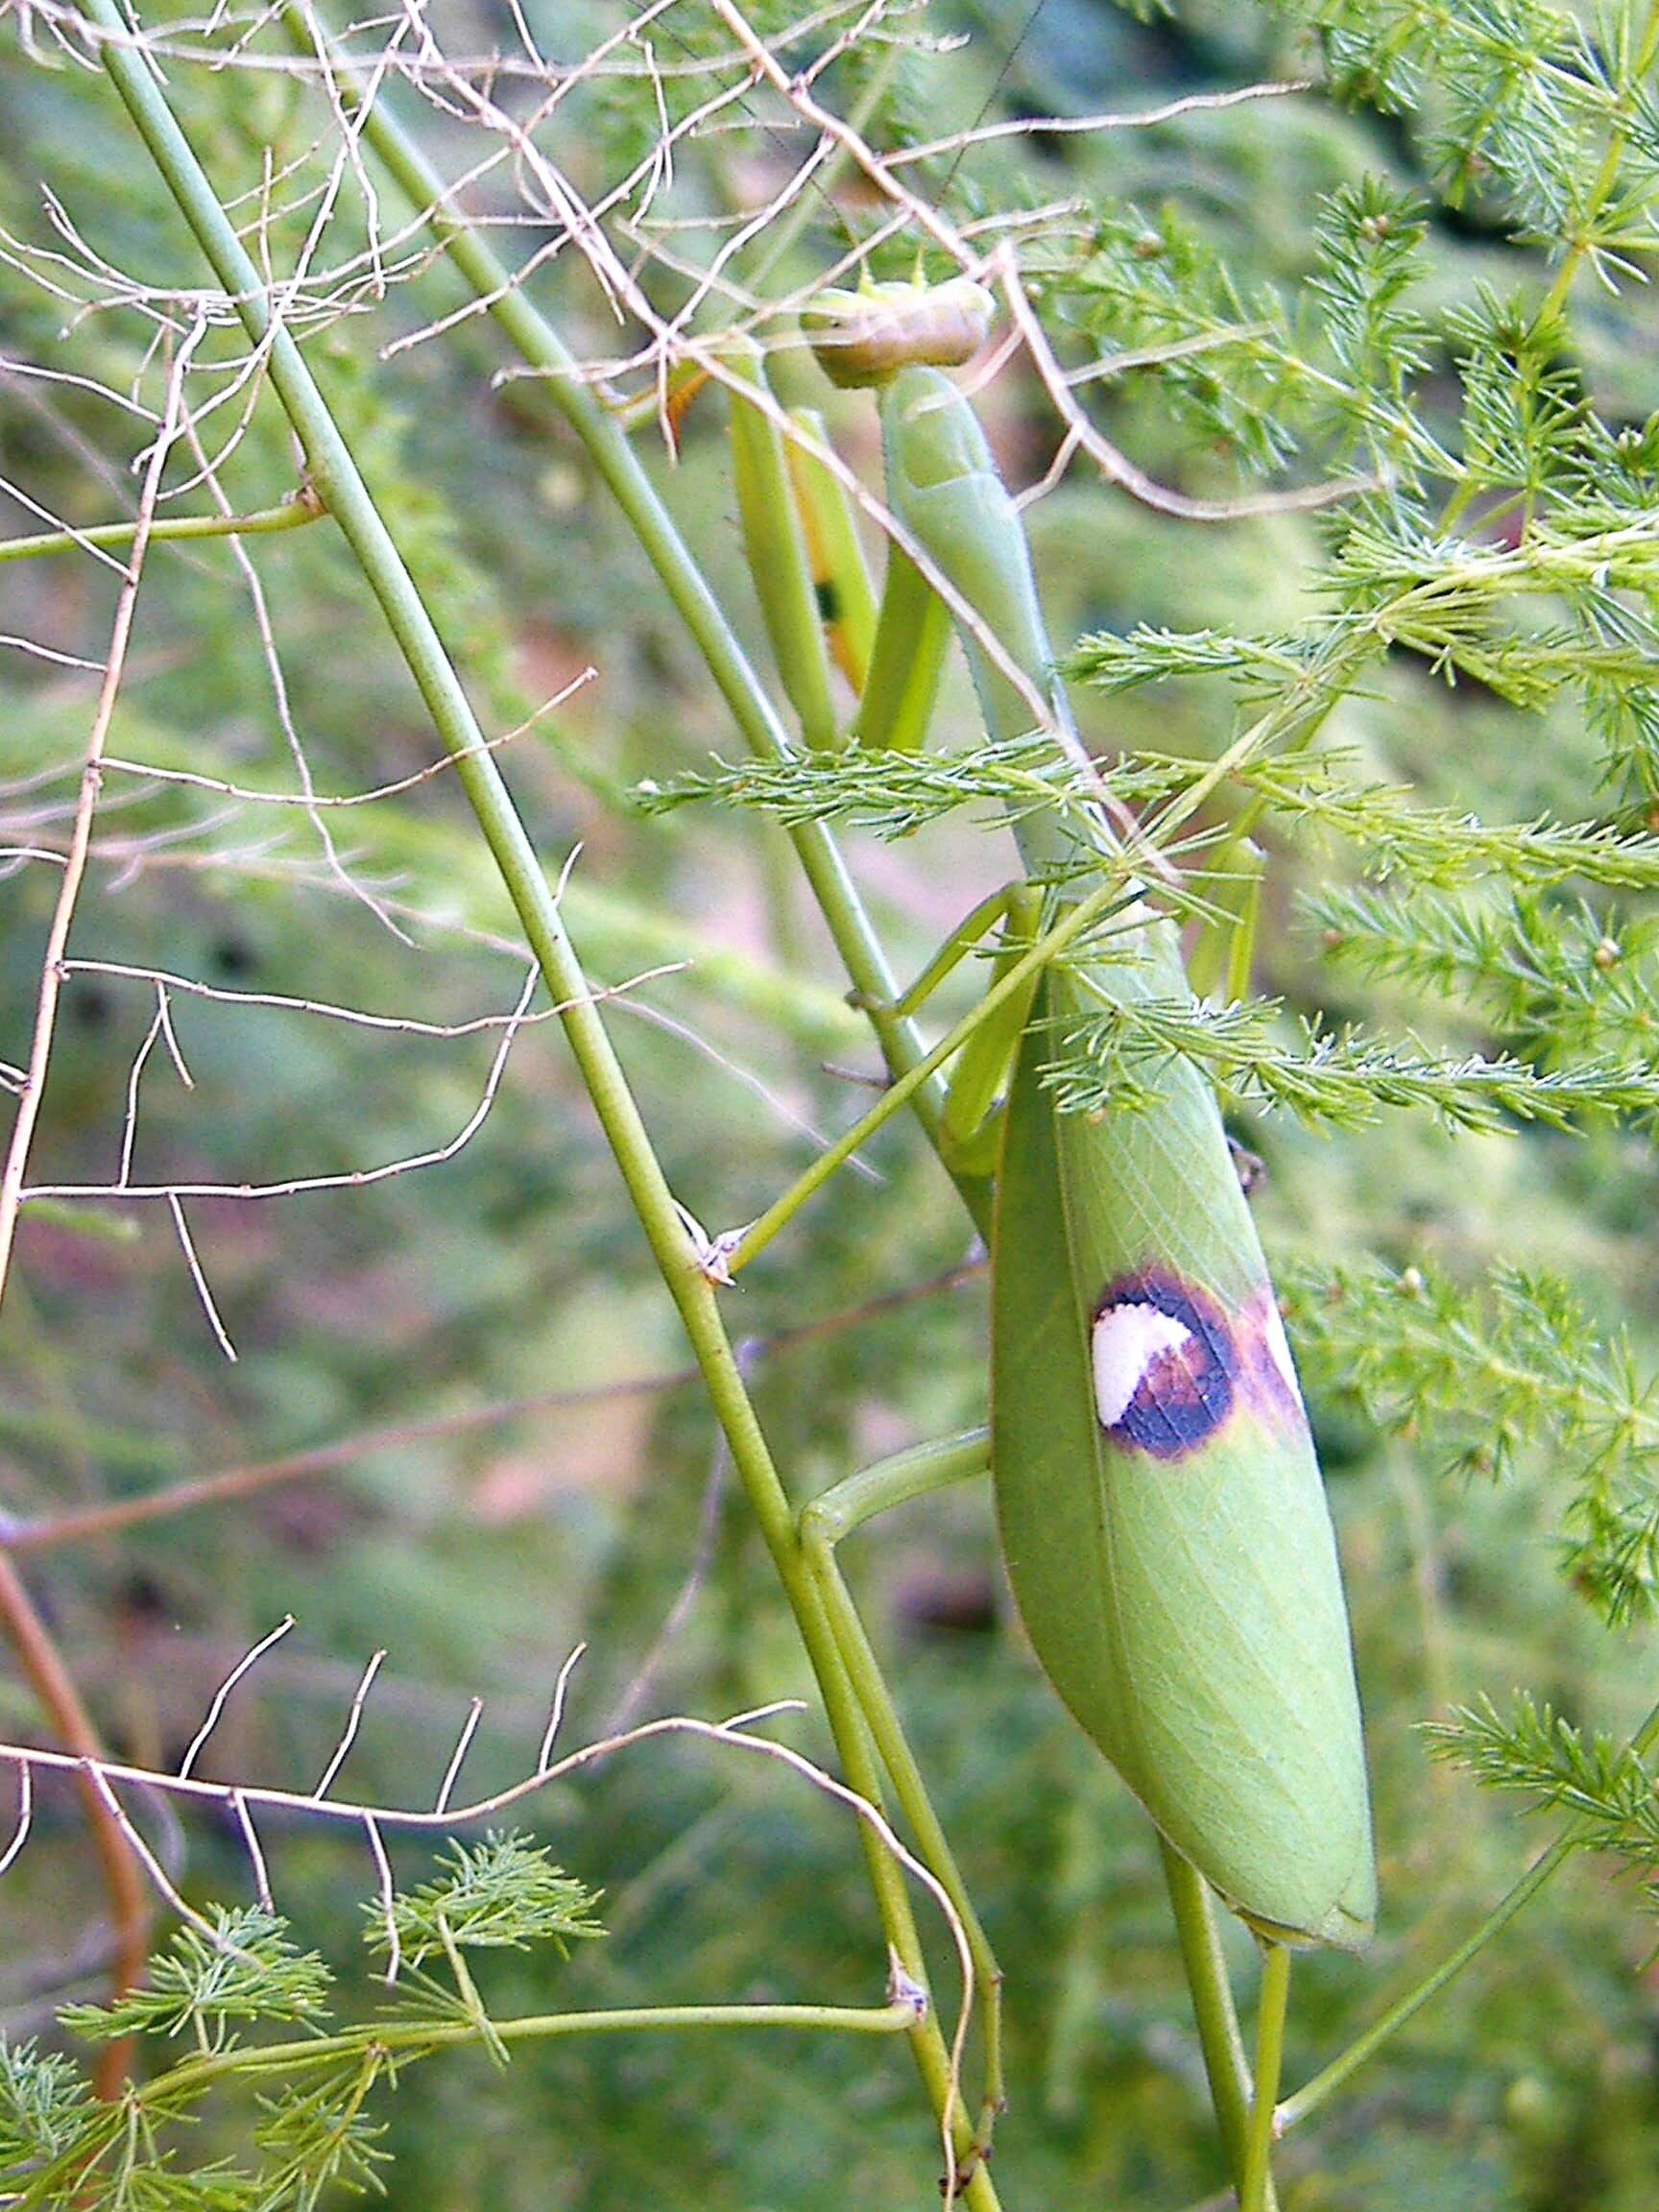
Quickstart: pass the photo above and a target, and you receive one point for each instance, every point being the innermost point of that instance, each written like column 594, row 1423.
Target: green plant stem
column 607, row 447
column 339, row 484
column 264, row 522
column 406, row 2042
column 824, row 1523
column 419, row 2036
column 1274, row 1998
column 1330, row 2079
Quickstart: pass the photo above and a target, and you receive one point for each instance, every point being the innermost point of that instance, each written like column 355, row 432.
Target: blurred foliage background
column 523, row 1466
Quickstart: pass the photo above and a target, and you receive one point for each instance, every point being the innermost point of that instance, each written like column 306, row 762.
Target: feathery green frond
column 504, row 1893
column 1534, row 1752
column 248, row 1968
column 1110, row 1061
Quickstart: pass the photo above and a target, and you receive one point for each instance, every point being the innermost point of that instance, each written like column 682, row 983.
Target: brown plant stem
column 43, row 1668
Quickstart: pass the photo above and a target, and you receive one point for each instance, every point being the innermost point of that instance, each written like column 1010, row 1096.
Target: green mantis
column 1159, row 1501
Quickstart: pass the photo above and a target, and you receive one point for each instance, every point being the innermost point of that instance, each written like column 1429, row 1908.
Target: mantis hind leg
column 968, row 1127
column 823, row 1524
column 1232, row 2086
column 970, row 1130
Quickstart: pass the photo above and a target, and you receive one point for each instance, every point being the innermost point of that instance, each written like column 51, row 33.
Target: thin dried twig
column 36, row 1651
column 16, row 1162
column 108, row 1777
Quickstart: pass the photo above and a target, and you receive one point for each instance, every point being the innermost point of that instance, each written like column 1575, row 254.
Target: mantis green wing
column 1159, row 1505
column 1179, row 1581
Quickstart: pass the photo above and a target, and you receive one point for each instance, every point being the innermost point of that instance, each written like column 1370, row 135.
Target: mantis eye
column 866, row 337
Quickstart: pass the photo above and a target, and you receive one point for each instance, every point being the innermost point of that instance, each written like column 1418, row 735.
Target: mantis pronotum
column 1160, row 1506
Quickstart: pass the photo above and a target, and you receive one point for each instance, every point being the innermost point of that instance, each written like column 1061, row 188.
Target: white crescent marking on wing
column 1126, row 1340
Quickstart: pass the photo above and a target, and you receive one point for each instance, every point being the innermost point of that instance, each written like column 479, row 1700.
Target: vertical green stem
column 1270, row 2012
column 340, row 486
column 1326, row 2082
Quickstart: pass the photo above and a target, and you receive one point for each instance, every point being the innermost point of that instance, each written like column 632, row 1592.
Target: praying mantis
column 1159, row 1503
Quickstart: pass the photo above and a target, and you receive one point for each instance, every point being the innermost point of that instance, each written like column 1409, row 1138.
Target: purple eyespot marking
column 1165, row 1367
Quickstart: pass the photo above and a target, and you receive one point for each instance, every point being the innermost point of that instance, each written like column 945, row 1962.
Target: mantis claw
column 713, row 1255
column 903, row 1988
column 952, row 2184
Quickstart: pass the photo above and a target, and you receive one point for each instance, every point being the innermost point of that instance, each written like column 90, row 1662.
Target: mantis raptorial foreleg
column 835, row 1514
column 1225, row 950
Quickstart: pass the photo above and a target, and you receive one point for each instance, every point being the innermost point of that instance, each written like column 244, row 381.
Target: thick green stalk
column 337, row 482
column 1225, row 2064
column 413, row 2039
column 383, row 2045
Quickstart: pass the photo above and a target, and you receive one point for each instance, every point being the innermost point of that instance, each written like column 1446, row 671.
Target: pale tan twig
column 353, row 1721
column 106, row 1775
column 310, row 801
column 249, row 1658
column 451, row 1773
column 99, row 1777
column 251, row 1838
column 388, row 1895
column 282, row 1001
column 556, row 1714
column 1088, row 125
column 16, row 1162
column 25, row 1816
column 356, row 1178
column 39, row 652
column 198, row 1276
